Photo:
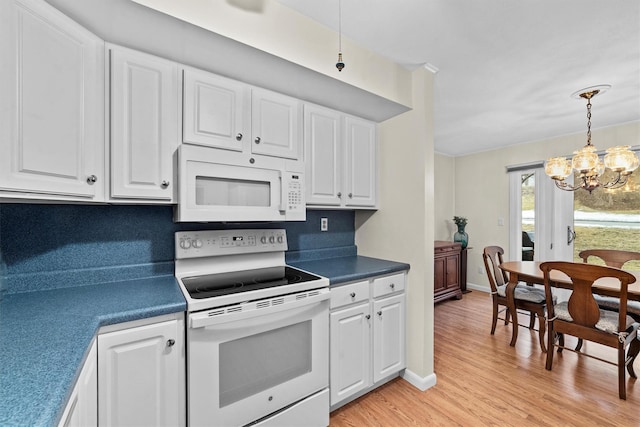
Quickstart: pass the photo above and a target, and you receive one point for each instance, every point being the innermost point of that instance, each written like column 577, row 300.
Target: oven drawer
column 387, row 285
column 349, row 294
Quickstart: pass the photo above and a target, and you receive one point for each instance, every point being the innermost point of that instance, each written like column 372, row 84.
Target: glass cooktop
column 214, row 285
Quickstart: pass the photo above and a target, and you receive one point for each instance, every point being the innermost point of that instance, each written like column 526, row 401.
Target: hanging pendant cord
column 339, row 26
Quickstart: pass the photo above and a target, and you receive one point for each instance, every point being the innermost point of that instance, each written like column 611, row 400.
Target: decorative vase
column 461, row 236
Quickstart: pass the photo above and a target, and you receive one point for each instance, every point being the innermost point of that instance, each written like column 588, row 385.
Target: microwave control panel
column 296, row 207
column 206, row 243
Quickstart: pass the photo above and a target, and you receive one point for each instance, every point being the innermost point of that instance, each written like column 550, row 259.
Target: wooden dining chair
column 614, row 258
column 611, row 257
column 527, row 298
column 581, row 317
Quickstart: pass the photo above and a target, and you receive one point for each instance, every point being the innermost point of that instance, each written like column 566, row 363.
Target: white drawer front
column 389, row 284
column 349, row 294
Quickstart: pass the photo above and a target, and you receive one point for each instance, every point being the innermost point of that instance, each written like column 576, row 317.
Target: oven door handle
column 253, row 309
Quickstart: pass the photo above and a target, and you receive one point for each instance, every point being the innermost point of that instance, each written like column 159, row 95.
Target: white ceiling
column 506, row 69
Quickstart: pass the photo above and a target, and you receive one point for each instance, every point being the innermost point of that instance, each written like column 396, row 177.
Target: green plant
column 460, row 221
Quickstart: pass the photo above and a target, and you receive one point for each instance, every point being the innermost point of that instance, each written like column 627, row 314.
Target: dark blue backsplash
column 42, row 245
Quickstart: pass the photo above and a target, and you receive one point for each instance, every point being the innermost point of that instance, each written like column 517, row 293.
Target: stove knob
column 263, row 240
column 185, row 243
column 272, row 239
column 280, row 239
column 197, row 243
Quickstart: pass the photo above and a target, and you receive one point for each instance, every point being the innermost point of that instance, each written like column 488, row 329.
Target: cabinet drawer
column 386, row 285
column 349, row 294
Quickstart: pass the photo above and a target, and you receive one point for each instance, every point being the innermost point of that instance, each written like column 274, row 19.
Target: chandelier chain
column 589, row 121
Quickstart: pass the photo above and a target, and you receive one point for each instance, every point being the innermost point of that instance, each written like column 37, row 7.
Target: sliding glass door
column 541, row 217
column 608, row 219
column 551, row 224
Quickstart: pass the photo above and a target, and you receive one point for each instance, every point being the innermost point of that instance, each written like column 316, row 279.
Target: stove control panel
column 206, row 243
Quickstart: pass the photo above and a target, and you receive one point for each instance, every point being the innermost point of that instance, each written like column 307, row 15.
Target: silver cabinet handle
column 392, row 286
column 368, row 316
column 171, row 342
column 239, row 137
column 380, row 313
column 353, row 294
column 92, row 179
column 351, row 195
column 339, row 194
column 164, row 184
column 258, row 140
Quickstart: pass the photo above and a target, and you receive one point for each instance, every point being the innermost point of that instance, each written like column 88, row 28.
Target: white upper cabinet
column 340, row 159
column 227, row 114
column 323, row 159
column 51, row 103
column 360, row 162
column 276, row 125
column 215, row 111
column 145, row 99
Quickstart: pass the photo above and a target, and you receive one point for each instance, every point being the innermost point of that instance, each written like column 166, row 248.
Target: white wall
column 444, row 169
column 482, row 186
column 402, row 229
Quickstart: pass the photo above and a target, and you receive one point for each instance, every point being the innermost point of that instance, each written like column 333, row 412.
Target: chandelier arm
column 616, row 183
column 563, row 185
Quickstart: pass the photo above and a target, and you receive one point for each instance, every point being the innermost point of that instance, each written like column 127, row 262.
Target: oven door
column 253, row 359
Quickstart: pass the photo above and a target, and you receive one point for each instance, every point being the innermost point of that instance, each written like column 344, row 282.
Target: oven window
column 232, row 192
column 258, row 362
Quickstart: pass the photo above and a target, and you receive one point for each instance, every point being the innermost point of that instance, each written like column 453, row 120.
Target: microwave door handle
column 283, row 193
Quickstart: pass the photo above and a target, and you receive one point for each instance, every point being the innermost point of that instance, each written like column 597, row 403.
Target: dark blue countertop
column 347, row 269
column 45, row 335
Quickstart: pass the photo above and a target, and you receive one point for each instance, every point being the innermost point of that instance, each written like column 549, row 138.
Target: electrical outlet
column 324, row 224
column 480, row 270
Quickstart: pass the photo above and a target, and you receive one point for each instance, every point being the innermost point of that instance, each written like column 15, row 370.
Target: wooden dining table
column 529, row 272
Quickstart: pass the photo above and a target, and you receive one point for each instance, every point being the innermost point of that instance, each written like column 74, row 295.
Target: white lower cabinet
column 141, row 375
column 134, row 375
column 367, row 332
column 82, row 407
column 350, row 358
column 388, row 336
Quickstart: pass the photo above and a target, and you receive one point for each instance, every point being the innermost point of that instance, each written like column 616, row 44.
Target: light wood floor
column 482, row 381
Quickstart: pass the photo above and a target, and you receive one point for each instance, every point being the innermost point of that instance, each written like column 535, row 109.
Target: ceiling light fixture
column 339, row 64
column 586, row 162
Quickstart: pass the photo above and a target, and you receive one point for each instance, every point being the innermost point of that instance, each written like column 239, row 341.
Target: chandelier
column 590, row 168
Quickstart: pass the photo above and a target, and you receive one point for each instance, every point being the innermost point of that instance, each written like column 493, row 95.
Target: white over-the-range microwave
column 219, row 185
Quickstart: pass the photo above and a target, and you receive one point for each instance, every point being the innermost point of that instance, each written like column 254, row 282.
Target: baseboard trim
column 478, row 287
column 421, row 383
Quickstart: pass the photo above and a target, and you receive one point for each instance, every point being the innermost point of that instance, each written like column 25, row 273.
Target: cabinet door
column 388, row 336
column 82, row 407
column 452, row 271
column 440, row 275
column 276, row 123
column 322, row 146
column 360, row 166
column 215, row 110
column 51, row 103
column 144, row 125
column 350, row 351
column 141, row 373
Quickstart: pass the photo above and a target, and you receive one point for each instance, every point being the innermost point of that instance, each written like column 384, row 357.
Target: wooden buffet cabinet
column 447, row 270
